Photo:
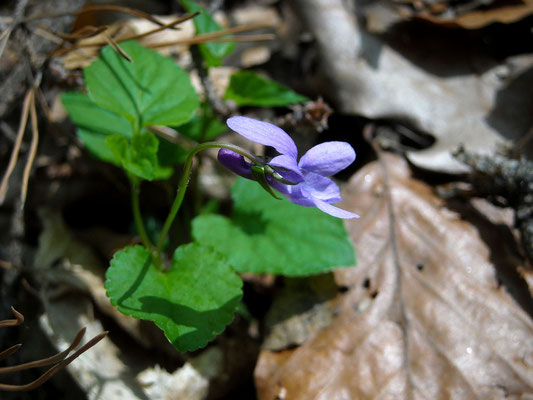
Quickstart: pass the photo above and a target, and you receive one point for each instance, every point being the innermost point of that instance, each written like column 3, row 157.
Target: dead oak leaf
column 476, row 19
column 423, row 318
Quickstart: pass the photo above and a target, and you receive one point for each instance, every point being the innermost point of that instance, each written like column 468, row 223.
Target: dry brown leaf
column 479, row 18
column 83, row 56
column 458, row 95
column 527, row 275
column 424, row 316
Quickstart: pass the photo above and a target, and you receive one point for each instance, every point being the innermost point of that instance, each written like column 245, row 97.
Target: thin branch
column 83, row 33
column 214, row 36
column 170, row 25
column 162, row 27
column 202, row 38
column 236, row 29
column 91, row 31
column 116, row 47
column 245, row 38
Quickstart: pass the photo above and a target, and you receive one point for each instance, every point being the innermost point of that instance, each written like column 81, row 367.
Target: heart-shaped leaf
column 150, row 90
column 191, row 302
column 95, row 124
column 126, row 97
column 266, row 235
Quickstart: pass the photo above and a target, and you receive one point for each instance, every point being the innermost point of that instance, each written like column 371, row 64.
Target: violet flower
column 303, row 182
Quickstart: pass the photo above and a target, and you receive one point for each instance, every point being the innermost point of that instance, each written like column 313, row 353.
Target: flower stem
column 184, row 181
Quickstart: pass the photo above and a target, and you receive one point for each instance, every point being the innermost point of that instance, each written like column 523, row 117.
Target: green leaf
column 246, row 88
column 95, row 124
column 213, row 53
column 203, row 128
column 171, row 153
column 191, row 302
column 150, row 90
column 275, row 236
column 139, row 156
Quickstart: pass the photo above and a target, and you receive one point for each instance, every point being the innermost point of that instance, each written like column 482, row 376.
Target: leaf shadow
column 208, row 321
column 507, row 116
column 504, row 252
column 205, row 324
column 133, row 288
column 252, row 223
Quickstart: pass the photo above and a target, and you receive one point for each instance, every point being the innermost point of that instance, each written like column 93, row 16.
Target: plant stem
column 139, row 224
column 184, row 181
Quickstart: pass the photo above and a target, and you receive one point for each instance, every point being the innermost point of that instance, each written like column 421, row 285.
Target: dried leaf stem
column 33, row 150
column 19, row 319
column 202, row 38
column 28, row 108
column 83, row 33
column 171, row 24
column 93, row 31
column 14, row 154
column 116, row 47
column 46, row 361
column 60, row 360
column 6, row 353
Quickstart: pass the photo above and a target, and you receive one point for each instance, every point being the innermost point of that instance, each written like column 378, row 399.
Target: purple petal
column 264, row 133
column 280, row 187
column 327, row 158
column 334, row 211
column 322, row 188
column 287, row 167
column 235, row 162
column 292, row 192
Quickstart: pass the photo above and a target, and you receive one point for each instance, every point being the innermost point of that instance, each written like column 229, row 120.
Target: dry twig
column 225, row 35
